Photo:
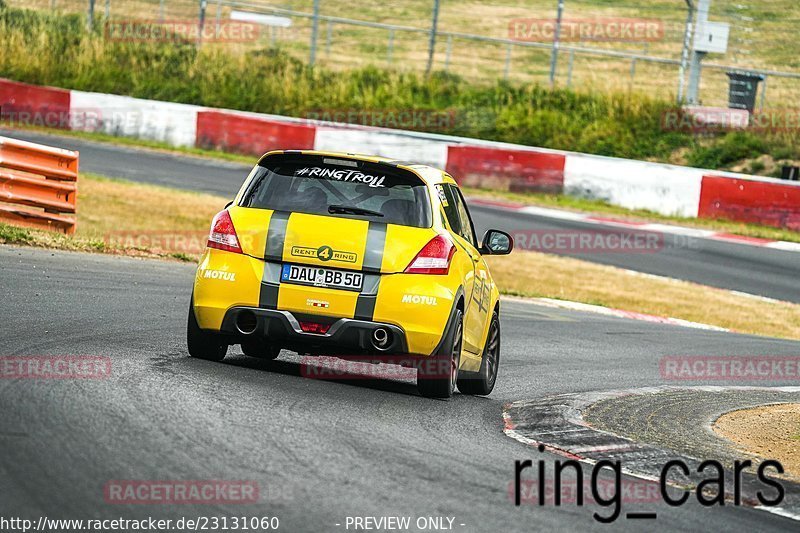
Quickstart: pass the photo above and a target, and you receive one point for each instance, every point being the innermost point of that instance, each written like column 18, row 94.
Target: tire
column 437, row 377
column 202, row 344
column 482, row 382
column 261, row 349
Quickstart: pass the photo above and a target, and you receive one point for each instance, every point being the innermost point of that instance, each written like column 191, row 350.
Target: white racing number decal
column 354, row 176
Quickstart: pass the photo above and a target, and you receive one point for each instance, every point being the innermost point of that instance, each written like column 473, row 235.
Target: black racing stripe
column 365, row 306
column 270, row 285
column 376, row 242
column 276, row 235
column 268, row 299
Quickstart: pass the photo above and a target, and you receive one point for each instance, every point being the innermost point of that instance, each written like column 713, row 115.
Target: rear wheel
column 261, row 348
column 482, row 382
column 436, row 377
column 203, row 344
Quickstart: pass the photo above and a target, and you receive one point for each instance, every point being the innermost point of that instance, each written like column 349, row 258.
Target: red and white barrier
column 123, row 116
column 666, row 189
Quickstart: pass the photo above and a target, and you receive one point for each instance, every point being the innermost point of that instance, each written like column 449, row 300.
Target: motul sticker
column 219, row 274
column 419, row 300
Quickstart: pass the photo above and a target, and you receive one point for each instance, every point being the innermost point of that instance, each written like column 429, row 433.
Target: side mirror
column 496, row 242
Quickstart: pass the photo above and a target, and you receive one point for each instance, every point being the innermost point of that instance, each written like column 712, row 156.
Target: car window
column 337, row 187
column 458, row 210
column 450, row 207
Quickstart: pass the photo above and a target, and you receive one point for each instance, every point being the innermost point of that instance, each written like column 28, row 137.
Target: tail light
column 434, row 258
column 314, row 327
column 223, row 234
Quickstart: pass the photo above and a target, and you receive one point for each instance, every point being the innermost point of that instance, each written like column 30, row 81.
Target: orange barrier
column 41, row 177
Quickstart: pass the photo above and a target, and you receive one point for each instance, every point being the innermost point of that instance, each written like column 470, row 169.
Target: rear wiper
column 353, row 210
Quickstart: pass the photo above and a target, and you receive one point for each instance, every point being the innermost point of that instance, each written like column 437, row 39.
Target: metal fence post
column 90, row 16
column 161, row 11
column 218, row 18
column 432, row 41
column 201, row 22
column 556, row 41
column 314, row 29
column 687, row 43
column 696, row 64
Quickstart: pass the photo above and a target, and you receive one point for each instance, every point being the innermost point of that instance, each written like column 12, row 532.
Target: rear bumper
column 418, row 305
column 346, row 336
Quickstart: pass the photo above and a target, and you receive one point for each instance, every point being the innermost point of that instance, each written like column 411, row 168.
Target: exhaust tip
column 381, row 338
column 246, row 322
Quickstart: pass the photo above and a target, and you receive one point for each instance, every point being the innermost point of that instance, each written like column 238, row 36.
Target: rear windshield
column 339, row 187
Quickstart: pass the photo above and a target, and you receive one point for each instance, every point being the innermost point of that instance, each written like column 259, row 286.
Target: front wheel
column 436, row 377
column 482, row 382
column 203, row 344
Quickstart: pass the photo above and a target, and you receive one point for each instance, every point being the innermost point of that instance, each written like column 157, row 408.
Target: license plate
column 322, row 277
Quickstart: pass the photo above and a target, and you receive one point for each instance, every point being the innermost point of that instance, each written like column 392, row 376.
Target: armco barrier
column 665, row 189
column 21, row 102
column 41, row 177
column 517, row 170
column 249, row 135
column 751, row 200
column 123, row 116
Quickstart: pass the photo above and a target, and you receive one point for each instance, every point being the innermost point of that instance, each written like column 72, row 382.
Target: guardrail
column 42, row 177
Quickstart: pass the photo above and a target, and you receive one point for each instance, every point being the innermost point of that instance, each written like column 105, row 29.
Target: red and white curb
column 672, row 229
column 617, row 313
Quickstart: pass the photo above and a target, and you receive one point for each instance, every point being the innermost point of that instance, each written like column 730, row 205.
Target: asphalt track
column 319, row 450
column 750, row 269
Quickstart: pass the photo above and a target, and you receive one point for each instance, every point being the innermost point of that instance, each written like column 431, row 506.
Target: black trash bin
column 742, row 89
column 789, row 172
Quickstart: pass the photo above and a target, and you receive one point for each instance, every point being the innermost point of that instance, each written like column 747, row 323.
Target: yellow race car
column 356, row 257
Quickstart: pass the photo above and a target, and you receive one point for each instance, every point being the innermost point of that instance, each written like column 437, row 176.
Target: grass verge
column 126, row 218
column 542, row 275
